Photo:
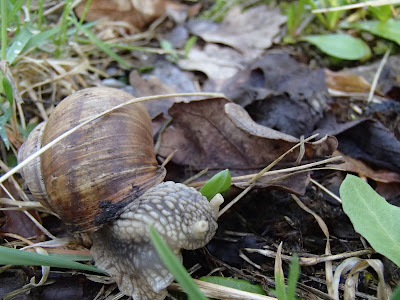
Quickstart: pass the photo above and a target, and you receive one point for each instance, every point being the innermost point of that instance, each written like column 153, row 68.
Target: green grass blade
column 16, row 8
column 293, row 277
column 4, row 25
column 18, row 44
column 38, row 39
column 219, row 183
column 280, row 286
column 9, row 256
column 175, row 267
column 62, row 35
column 103, row 46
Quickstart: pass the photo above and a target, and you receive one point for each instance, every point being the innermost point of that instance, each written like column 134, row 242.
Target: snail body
column 104, row 180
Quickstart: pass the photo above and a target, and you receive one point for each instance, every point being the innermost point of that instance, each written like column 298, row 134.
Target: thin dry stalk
column 324, row 228
column 356, row 5
column 216, row 291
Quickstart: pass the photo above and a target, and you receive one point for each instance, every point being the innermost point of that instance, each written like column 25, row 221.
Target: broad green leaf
column 18, row 44
column 219, row 183
column 340, row 45
column 175, row 267
column 9, row 256
column 372, row 217
column 235, row 283
column 389, row 30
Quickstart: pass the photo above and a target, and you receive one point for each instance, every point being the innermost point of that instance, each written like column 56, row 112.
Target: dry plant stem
column 36, row 222
column 216, row 291
column 271, row 165
column 324, row 228
column 194, row 177
column 356, row 5
column 248, row 260
column 64, row 135
column 157, row 144
column 310, row 261
column 169, row 157
column 301, row 152
column 378, row 74
column 54, row 8
column 21, row 193
column 326, row 190
column 291, row 169
column 237, row 198
column 17, row 237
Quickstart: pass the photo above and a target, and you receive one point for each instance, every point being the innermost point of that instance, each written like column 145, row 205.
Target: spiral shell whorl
column 94, row 173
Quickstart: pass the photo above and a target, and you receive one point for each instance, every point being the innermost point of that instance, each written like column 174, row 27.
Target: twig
column 213, row 290
column 356, row 5
column 326, row 190
column 378, row 74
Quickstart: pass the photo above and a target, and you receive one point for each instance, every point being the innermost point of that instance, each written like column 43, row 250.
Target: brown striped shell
column 91, row 175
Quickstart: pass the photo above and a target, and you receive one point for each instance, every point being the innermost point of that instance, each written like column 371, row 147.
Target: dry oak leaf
column 217, row 134
column 134, row 12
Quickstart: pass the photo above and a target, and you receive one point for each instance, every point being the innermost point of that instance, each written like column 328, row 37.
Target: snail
column 104, row 180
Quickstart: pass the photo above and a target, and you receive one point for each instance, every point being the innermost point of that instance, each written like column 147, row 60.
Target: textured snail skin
column 181, row 215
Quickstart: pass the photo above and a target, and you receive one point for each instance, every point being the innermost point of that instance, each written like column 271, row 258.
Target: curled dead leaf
column 218, row 134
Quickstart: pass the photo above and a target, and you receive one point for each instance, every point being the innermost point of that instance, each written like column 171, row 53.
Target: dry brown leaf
column 217, row 62
column 218, row 134
column 249, row 31
column 346, row 82
column 135, row 12
column 179, row 11
column 295, row 183
column 356, row 166
column 152, row 86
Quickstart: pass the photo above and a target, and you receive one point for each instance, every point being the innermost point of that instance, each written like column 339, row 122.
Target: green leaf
column 6, row 112
column 389, row 30
column 372, row 217
column 40, row 38
column 175, row 267
column 293, row 277
column 219, row 183
column 235, row 283
column 189, row 44
column 4, row 137
column 8, row 90
column 340, row 45
column 280, row 287
column 9, row 256
column 396, row 293
column 18, row 44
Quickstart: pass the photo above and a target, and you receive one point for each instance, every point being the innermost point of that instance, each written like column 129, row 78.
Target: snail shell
column 89, row 177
